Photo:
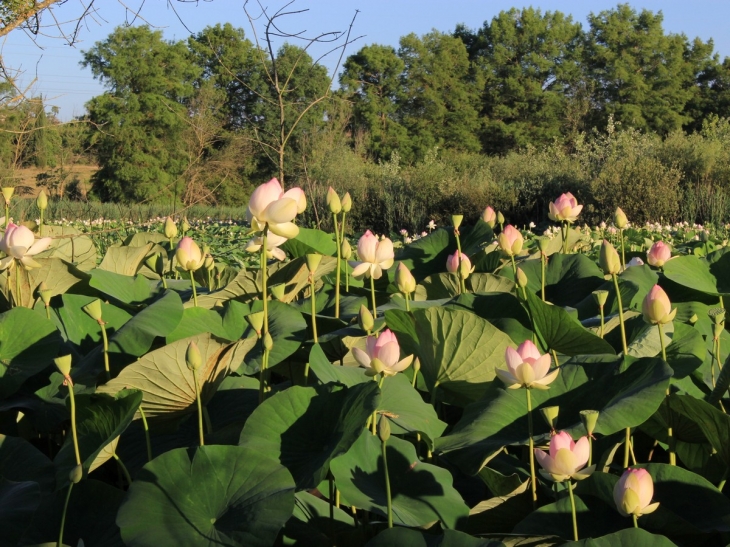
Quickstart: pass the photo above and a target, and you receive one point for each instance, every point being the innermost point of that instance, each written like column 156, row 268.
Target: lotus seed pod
column 550, row 415
column 542, row 243
column 193, row 358
column 346, row 203
column 456, row 220
column 8, row 192
column 333, row 201
column 170, row 228
column 256, row 320
column 600, row 297
column 521, row 278
column 500, row 218
column 313, row 261
column 63, row 364
column 384, row 429
column 93, row 309
column 717, row 315
column 365, row 319
column 589, row 419
column 608, row 259
column 76, row 474
column 45, row 293
column 278, row 291
column 346, row 250
column 42, row 200
column 268, row 342
column 619, row 219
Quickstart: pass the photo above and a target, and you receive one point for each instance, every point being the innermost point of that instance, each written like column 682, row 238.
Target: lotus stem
column 564, row 233
column 195, row 294
column 372, row 296
column 313, row 299
column 572, row 510
column 146, row 428
column 48, row 312
column 123, row 467
column 636, row 521
column 40, row 224
column 264, row 292
column 620, row 314
column 590, row 450
column 408, row 301
column 106, row 349
column 172, row 258
column 627, row 447
column 603, row 320
column 623, row 254
column 462, row 283
column 200, row 408
column 16, row 300
column 670, row 429
column 543, row 262
column 262, row 374
column 388, row 498
column 533, row 478
column 59, row 543
column 514, row 267
column 337, row 275
column 72, row 402
column 7, row 214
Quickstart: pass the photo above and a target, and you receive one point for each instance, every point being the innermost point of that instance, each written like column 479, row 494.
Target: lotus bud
column 704, row 236
column 456, row 221
column 465, row 267
column 170, row 228
column 346, row 250
column 619, row 219
column 333, row 201
column 365, row 319
column 600, row 297
column 76, row 474
column 542, row 243
column 278, row 291
column 93, row 310
column 42, row 200
column 608, row 259
column 511, row 240
column 45, row 293
column 268, row 342
column 256, row 320
column 185, row 225
column 633, row 492
column 550, row 415
column 63, row 364
column 208, row 263
column 416, row 365
column 589, row 419
column 489, row 216
column 521, row 278
column 193, row 358
column 404, row 279
column 8, row 192
column 657, row 308
column 500, row 218
column 313, row 261
column 658, row 255
column 717, row 315
column 384, row 429
column 346, row 203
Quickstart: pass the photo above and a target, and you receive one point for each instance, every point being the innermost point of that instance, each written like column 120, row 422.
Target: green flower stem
column 514, row 267
column 48, row 312
column 603, row 321
column 313, row 299
column 623, row 254
column 195, row 294
column 72, row 402
column 670, row 429
column 415, row 379
column 16, row 299
column 105, row 339
column 372, row 296
column 543, row 262
column 572, row 509
column 636, row 521
column 387, row 485
column 200, row 408
column 564, row 233
column 590, row 450
column 306, row 374
column 7, row 215
column 147, row 440
column 40, row 225
column 172, row 258
column 262, row 375
column 533, row 478
column 462, row 283
column 627, row 447
column 337, row 282
column 123, row 467
column 620, row 314
column 264, row 291
column 408, row 301
column 59, row 543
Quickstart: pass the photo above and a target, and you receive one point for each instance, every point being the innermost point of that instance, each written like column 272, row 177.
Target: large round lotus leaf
column 421, row 493
column 305, row 427
column 79, row 328
column 28, row 344
column 404, row 537
column 709, row 275
column 568, row 278
column 631, row 537
column 288, row 330
column 21, row 461
column 59, row 276
column 207, row 496
column 311, row 241
column 78, row 250
column 18, row 502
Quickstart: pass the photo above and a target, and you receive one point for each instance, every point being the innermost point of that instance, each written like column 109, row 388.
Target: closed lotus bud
column 657, row 308
column 76, row 474
column 500, row 218
column 619, row 219
column 185, row 225
column 416, row 365
column 256, row 320
column 346, row 203
column 704, row 236
column 193, row 358
column 93, row 309
column 268, row 342
column 521, row 278
column 633, row 492
column 404, row 279
column 384, row 429
column 489, row 216
column 278, row 291
column 63, row 364
column 8, row 192
column 45, row 293
column 313, row 261
column 42, row 200
column 658, row 255
column 511, row 240
column 589, row 419
column 333, row 201
column 365, row 319
column 550, row 415
column 600, row 297
column 208, row 263
column 456, row 221
column 170, row 228
column 608, row 259
column 346, row 250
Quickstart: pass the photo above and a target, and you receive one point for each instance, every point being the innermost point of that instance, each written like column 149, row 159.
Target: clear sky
column 68, row 86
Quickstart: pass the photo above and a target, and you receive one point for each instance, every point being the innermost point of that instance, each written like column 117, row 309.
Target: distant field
column 25, row 179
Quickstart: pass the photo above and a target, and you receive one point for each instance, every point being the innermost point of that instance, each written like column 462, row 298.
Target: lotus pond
column 267, row 384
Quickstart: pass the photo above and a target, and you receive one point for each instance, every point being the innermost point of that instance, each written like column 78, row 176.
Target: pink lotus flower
column 452, row 264
column 527, row 368
column 633, row 492
column 566, row 459
column 511, row 240
column 188, row 254
column 20, row 245
column 273, row 242
column 565, row 208
column 381, row 355
column 489, row 216
column 270, row 206
column 375, row 256
column 658, row 255
column 657, row 308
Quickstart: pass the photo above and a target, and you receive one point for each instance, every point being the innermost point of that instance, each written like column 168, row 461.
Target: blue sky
column 66, row 85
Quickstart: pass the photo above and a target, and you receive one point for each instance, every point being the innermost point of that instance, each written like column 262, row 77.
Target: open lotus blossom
column 188, row 254
column 657, row 308
column 566, row 459
column 511, row 240
column 273, row 242
column 381, row 355
column 633, row 492
column 658, row 255
column 489, row 216
column 270, row 206
column 565, row 208
column 20, row 245
column 527, row 368
column 375, row 256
